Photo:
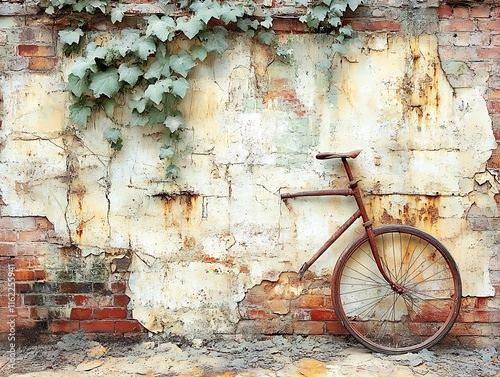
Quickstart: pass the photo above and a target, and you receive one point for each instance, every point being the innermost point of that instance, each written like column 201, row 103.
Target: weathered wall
column 103, row 242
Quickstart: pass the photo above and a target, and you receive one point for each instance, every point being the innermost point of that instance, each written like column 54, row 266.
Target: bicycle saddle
column 328, row 155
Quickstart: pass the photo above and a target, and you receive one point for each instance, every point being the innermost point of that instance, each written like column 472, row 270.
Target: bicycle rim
column 387, row 321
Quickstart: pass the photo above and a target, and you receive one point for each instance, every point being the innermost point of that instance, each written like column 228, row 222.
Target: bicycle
column 396, row 289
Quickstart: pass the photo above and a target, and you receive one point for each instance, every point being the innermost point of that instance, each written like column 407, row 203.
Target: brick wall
column 56, row 289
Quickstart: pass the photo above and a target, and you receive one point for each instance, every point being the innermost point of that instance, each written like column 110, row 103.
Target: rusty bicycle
column 396, row 289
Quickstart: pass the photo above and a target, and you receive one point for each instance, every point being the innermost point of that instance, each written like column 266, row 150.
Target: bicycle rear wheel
column 391, row 322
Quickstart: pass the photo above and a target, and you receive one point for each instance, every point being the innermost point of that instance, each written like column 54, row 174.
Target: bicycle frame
column 353, row 190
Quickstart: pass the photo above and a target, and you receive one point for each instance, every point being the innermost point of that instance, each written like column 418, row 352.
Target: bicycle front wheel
column 415, row 316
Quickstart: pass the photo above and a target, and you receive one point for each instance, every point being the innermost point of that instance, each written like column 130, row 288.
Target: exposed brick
column 456, row 25
column 334, row 327
column 24, row 275
column 374, row 25
column 8, row 249
column 480, row 11
column 8, row 235
column 323, row 315
column 36, row 235
column 491, row 25
column 309, row 301
column 19, row 223
column 34, row 50
column 118, row 287
column 121, row 300
column 82, row 300
column 57, row 326
column 42, row 64
column 124, row 326
column 33, row 300
column 110, row 313
column 461, row 12
column 98, row 326
column 43, row 223
column 73, row 287
column 309, row 328
column 445, row 11
column 80, row 313
column 489, row 53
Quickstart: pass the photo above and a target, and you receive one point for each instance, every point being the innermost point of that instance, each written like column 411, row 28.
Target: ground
column 76, row 355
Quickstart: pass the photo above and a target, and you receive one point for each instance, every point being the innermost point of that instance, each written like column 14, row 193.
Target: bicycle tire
column 386, row 321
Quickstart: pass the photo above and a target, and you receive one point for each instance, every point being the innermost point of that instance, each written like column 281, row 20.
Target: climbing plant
column 139, row 70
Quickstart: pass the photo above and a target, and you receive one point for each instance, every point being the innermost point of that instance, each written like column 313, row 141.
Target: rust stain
column 183, row 202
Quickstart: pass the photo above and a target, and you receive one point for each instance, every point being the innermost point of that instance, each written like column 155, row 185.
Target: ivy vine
column 136, row 69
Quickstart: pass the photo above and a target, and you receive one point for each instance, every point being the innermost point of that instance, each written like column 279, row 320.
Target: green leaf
column 166, row 152
column 182, row 63
column 267, row 23
column 245, row 24
column 144, row 47
column 215, row 41
column 70, row 37
column 156, row 116
column 199, row 52
column 117, row 13
column 172, row 171
column 112, row 135
column 105, row 82
column 341, row 49
column 129, row 38
column 155, row 91
column 160, row 67
column 180, row 87
column 267, row 37
column 231, row 12
column 108, row 105
column 353, row 4
column 81, row 66
column 93, row 52
column 190, row 26
column 163, row 29
column 49, row 10
column 138, row 120
column 206, row 10
column 174, row 123
column 320, row 12
column 304, row 3
column 129, row 74
column 137, row 105
column 77, row 85
column 79, row 113
column 346, row 30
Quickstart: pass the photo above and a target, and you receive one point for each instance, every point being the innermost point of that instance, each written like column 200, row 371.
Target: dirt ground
column 76, row 355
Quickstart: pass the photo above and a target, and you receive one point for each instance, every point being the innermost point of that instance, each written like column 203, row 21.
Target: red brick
column 33, row 50
column 110, row 313
column 494, row 106
column 25, row 275
column 480, row 11
column 8, row 235
column 127, row 326
column 19, row 223
column 490, row 25
column 8, row 249
column 82, row 300
column 43, row 223
column 334, row 327
column 461, row 12
column 309, row 328
column 445, row 11
column 64, row 326
column 309, row 301
column 456, row 25
column 32, row 248
column 42, row 64
column 323, row 315
column 81, row 313
column 32, row 235
column 98, row 326
column 118, row 287
column 39, row 313
column 121, row 300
